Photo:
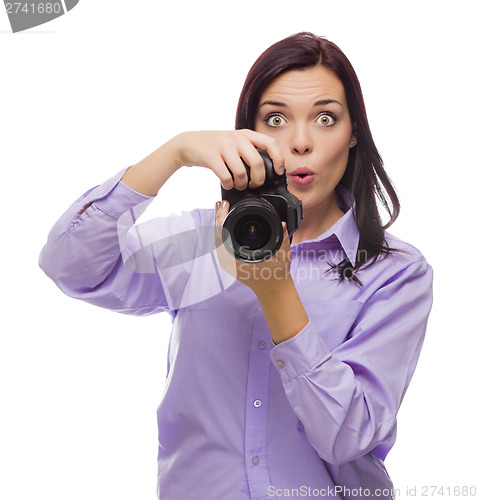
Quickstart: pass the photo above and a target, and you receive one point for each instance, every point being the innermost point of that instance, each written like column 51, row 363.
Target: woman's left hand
column 263, row 278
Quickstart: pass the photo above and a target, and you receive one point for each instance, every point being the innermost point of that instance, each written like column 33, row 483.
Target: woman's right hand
column 221, row 152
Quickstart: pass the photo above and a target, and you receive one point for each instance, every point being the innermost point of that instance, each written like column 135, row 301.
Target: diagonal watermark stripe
column 24, row 15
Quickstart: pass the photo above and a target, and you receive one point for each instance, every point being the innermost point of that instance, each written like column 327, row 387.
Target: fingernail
column 281, row 170
column 218, row 204
column 223, row 204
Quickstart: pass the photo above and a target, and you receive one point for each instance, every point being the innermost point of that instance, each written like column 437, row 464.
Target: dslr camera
column 252, row 230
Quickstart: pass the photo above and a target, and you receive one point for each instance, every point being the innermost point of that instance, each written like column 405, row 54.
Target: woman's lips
column 301, row 176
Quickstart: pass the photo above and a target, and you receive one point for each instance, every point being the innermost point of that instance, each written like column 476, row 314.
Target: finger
column 220, row 212
column 286, row 233
column 227, row 261
column 252, row 157
column 263, row 141
column 216, row 214
column 237, row 168
column 220, row 169
column 285, row 237
column 285, row 248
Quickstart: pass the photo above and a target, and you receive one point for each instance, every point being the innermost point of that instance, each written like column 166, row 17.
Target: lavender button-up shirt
column 241, row 418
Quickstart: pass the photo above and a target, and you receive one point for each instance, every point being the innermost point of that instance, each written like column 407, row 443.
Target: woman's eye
column 326, row 119
column 275, row 120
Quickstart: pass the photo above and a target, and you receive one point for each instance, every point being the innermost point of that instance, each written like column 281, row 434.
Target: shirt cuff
column 299, row 354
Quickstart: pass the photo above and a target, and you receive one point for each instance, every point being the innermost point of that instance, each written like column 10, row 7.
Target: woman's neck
column 317, row 220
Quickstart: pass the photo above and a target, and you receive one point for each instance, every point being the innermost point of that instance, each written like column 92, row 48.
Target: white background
column 101, row 87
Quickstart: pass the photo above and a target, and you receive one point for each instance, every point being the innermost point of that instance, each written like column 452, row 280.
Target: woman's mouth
column 301, row 176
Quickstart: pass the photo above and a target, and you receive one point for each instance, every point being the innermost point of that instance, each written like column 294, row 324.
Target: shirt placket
column 257, row 403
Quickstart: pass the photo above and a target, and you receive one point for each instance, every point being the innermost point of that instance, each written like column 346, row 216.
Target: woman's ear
column 353, row 137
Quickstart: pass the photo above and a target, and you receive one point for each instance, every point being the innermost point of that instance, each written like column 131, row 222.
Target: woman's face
column 306, row 112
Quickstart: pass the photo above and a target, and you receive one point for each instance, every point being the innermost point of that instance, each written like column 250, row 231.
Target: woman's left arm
column 271, row 282
column 348, row 398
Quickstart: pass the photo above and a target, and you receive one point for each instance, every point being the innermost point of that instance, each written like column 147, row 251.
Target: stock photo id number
column 25, row 15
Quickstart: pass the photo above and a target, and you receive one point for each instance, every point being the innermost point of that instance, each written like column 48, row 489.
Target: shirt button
column 280, row 363
column 257, row 403
column 261, row 344
column 255, row 460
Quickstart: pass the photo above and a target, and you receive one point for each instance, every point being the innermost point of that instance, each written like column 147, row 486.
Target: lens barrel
column 252, row 230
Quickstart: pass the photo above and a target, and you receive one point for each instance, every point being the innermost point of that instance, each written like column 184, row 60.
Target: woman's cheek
column 334, row 149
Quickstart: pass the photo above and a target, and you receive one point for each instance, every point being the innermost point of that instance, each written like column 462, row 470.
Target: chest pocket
column 333, row 318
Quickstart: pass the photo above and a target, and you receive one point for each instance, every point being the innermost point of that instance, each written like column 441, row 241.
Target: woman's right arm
column 86, row 248
column 220, row 151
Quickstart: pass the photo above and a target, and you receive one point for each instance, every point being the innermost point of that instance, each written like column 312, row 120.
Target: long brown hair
column 365, row 176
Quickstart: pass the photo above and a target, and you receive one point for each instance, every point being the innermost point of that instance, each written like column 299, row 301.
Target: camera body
column 252, row 230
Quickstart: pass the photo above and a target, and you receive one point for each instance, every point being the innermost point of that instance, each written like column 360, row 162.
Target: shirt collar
column 345, row 229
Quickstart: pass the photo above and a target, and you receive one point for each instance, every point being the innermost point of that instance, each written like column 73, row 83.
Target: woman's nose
column 301, row 142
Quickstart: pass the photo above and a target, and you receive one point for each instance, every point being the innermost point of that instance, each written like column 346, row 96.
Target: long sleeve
column 101, row 256
column 347, row 398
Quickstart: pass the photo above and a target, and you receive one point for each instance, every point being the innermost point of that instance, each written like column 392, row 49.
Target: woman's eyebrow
column 326, row 101
column 320, row 102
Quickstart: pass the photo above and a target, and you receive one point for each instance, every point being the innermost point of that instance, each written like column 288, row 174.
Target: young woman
column 284, row 377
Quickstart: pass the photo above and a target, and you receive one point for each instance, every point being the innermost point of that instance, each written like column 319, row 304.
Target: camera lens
column 252, row 230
